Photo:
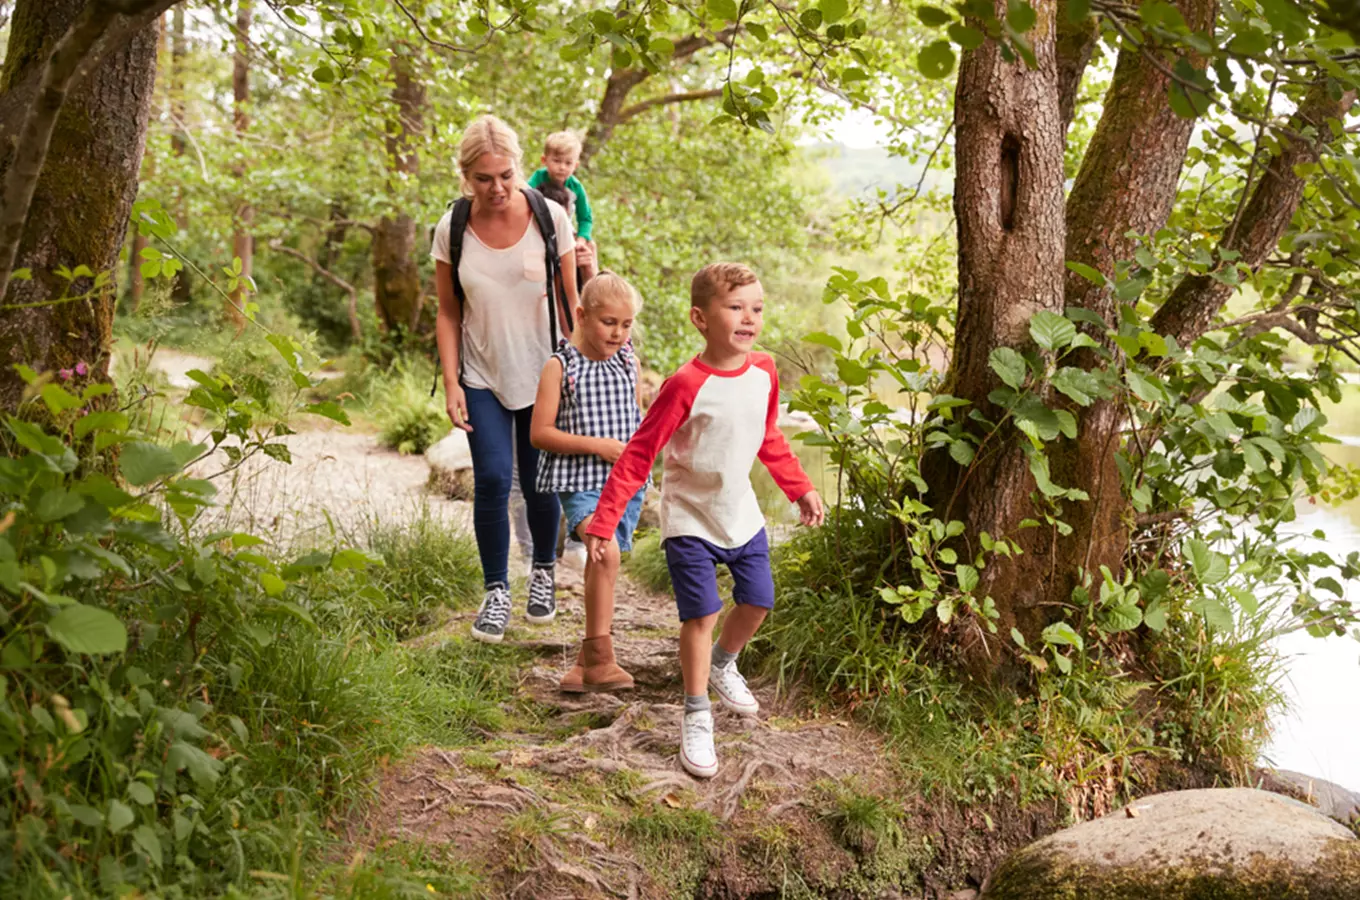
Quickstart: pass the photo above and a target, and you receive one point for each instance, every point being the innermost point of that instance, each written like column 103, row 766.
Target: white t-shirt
column 506, row 339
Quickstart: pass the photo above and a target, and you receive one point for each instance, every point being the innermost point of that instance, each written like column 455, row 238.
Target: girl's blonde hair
column 488, row 134
column 602, row 290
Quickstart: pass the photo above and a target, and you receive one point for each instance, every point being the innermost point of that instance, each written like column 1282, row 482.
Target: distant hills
column 855, row 170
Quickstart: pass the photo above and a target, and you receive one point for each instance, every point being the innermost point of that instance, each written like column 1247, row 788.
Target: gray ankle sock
column 697, row 704
column 721, row 658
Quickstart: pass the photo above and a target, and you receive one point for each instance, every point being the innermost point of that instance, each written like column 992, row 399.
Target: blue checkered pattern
column 599, row 399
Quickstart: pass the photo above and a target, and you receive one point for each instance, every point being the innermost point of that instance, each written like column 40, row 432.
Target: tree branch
column 278, row 247
column 1257, row 228
column 1076, row 44
column 683, row 97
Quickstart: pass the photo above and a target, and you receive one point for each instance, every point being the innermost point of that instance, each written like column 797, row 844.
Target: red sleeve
column 667, row 413
column 775, row 451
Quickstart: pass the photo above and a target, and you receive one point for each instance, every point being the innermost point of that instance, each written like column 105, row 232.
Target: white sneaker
column 574, row 555
column 732, row 689
column 697, row 755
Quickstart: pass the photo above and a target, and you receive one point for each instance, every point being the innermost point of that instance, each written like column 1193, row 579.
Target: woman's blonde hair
column 488, row 134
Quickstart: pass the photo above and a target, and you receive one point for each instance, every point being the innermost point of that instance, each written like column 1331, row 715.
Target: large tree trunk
column 1127, row 185
column 1008, row 202
column 396, row 276
column 242, row 246
column 83, row 194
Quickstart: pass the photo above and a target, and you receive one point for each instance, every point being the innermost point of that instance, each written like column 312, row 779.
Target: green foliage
column 409, row 419
column 646, row 564
column 862, row 822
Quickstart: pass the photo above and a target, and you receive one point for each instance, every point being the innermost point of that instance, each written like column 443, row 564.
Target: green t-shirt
column 584, row 222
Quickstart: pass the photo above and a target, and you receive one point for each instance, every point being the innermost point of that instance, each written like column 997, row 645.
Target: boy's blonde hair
column 561, row 143
column 488, row 134
column 716, row 280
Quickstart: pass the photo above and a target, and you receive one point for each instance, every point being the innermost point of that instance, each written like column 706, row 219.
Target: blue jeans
column 576, row 505
column 495, row 431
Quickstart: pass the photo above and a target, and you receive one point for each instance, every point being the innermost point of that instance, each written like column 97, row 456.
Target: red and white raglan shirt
column 713, row 425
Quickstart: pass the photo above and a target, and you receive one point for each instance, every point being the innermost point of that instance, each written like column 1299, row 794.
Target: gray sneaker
column 542, row 605
column 493, row 615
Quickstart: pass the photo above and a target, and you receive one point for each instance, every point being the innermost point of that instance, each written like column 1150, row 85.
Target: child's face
column 605, row 329
column 493, row 180
column 560, row 166
column 731, row 323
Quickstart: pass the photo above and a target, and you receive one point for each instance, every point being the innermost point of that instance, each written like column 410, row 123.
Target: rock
column 1331, row 799
column 1216, row 844
column 451, row 466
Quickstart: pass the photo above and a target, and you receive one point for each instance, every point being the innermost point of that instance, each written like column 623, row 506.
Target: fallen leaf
column 590, row 823
column 1131, row 812
column 671, row 800
column 521, row 758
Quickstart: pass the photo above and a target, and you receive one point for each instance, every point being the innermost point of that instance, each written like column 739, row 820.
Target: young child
column 561, row 156
column 714, row 417
column 586, row 409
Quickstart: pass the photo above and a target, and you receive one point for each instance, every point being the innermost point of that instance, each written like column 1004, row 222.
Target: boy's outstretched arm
column 585, row 220
column 667, row 413
column 780, row 459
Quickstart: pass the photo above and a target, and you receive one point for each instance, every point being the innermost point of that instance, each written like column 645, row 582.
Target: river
column 1318, row 730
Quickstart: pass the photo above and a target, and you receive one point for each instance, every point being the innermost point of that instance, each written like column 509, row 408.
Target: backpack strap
column 538, row 205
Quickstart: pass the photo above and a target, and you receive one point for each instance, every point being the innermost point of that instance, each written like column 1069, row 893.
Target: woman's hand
column 456, row 404
column 609, row 450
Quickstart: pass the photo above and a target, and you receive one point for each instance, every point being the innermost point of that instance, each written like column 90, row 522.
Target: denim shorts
column 576, row 505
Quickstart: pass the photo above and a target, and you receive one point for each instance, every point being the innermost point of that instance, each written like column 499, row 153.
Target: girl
column 490, row 349
column 587, row 409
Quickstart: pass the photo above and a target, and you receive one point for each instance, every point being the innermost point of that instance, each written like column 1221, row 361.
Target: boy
column 714, row 417
column 561, row 156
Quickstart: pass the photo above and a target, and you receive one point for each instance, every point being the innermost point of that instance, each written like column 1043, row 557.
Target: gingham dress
column 599, row 399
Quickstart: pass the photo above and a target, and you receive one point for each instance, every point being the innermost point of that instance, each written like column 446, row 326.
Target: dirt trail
column 622, row 748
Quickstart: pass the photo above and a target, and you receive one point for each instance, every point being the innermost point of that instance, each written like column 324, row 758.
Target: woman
column 492, row 348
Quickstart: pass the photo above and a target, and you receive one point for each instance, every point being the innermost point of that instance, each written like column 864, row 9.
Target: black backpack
column 460, row 211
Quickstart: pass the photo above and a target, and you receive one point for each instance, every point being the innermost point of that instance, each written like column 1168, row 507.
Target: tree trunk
column 83, row 194
column 179, row 51
column 396, row 276
column 1109, row 201
column 1008, row 202
column 241, row 242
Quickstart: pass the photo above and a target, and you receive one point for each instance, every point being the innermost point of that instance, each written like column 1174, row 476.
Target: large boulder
column 1331, row 799
column 451, row 466
column 1217, row 844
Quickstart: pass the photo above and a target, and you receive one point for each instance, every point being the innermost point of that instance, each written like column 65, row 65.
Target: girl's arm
column 543, row 431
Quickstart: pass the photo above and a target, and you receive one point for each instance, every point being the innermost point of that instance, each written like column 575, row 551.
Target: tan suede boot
column 602, row 672
column 574, row 681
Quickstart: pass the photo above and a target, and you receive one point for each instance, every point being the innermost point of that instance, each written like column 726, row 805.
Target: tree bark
column 181, row 290
column 1008, row 203
column 1076, row 44
column 1126, row 185
column 1261, row 221
column 82, row 193
column 242, row 244
column 397, row 289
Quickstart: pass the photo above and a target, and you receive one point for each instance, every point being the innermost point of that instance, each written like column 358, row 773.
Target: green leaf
column 87, row 629
column 1155, row 616
column 273, row 585
column 936, row 60
column 1215, row 612
column 968, row 577
column 201, row 767
column 932, row 16
column 945, row 610
column 966, row 36
column 833, row 10
column 1209, row 567
column 1124, row 617
column 105, row 420
column 57, row 503
column 1021, row 16
column 825, row 340
column 961, row 452
column 145, row 837
column 86, row 815
column 141, row 794
column 323, row 75
column 119, row 816
column 1060, row 633
column 1050, row 330
column 723, row 9
column 1009, row 365
column 1145, row 388
column 142, row 463
column 1249, row 41
column 1078, row 10
column 1090, row 273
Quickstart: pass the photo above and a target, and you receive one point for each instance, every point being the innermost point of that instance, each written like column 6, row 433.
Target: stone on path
column 450, row 463
column 1216, row 844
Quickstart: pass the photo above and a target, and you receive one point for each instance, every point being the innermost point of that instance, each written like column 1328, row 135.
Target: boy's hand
column 595, row 547
column 609, row 450
column 810, row 509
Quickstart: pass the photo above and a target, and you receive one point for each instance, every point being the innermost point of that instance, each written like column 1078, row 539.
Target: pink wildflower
column 65, row 374
column 82, row 369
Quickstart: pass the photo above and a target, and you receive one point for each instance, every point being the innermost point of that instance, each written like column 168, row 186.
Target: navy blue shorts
column 693, row 563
